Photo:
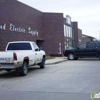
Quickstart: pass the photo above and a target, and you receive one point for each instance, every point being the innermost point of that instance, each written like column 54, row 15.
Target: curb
column 57, row 62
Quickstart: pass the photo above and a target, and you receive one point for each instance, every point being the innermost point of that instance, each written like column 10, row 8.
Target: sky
column 85, row 12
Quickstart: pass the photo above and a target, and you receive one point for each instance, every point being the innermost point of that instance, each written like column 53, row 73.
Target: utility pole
column 99, row 35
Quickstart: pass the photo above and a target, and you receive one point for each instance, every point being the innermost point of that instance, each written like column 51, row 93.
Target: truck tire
column 42, row 64
column 71, row 56
column 24, row 69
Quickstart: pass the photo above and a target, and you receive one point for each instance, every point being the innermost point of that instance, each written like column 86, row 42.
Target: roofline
column 20, row 41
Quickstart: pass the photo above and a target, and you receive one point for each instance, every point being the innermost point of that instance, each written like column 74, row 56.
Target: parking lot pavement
column 56, row 60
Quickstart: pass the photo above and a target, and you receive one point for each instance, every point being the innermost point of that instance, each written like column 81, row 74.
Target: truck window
column 19, row 46
column 90, row 45
column 35, row 46
column 98, row 45
column 82, row 46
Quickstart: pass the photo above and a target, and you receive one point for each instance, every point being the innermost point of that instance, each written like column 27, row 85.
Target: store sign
column 13, row 28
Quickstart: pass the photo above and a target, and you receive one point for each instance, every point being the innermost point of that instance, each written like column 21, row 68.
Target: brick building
column 86, row 38
column 75, row 34
column 78, row 37
column 21, row 22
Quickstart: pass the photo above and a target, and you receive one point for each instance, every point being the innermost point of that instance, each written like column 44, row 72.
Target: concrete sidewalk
column 55, row 60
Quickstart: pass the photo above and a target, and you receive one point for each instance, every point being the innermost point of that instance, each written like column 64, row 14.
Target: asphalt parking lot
column 69, row 80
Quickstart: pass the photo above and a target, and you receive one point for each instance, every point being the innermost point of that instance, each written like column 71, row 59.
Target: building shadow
column 88, row 59
column 13, row 73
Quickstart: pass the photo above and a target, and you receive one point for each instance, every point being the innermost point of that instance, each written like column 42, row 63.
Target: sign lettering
column 13, row 28
column 3, row 27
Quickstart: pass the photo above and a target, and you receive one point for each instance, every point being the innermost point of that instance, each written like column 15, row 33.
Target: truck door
column 37, row 53
column 91, row 50
column 81, row 50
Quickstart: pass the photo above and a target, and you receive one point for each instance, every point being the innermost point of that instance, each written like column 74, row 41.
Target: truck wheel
column 42, row 64
column 71, row 56
column 24, row 69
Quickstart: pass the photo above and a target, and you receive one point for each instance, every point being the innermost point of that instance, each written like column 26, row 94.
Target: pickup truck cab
column 84, row 50
column 19, row 55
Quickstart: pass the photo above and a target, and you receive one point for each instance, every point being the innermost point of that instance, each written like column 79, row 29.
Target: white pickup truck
column 19, row 55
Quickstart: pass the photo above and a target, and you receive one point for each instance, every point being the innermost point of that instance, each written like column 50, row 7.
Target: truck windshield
column 19, row 46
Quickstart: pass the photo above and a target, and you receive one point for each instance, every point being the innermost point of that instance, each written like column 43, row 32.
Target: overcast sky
column 85, row 12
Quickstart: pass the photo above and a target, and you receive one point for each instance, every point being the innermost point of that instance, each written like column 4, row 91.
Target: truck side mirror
column 36, row 49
